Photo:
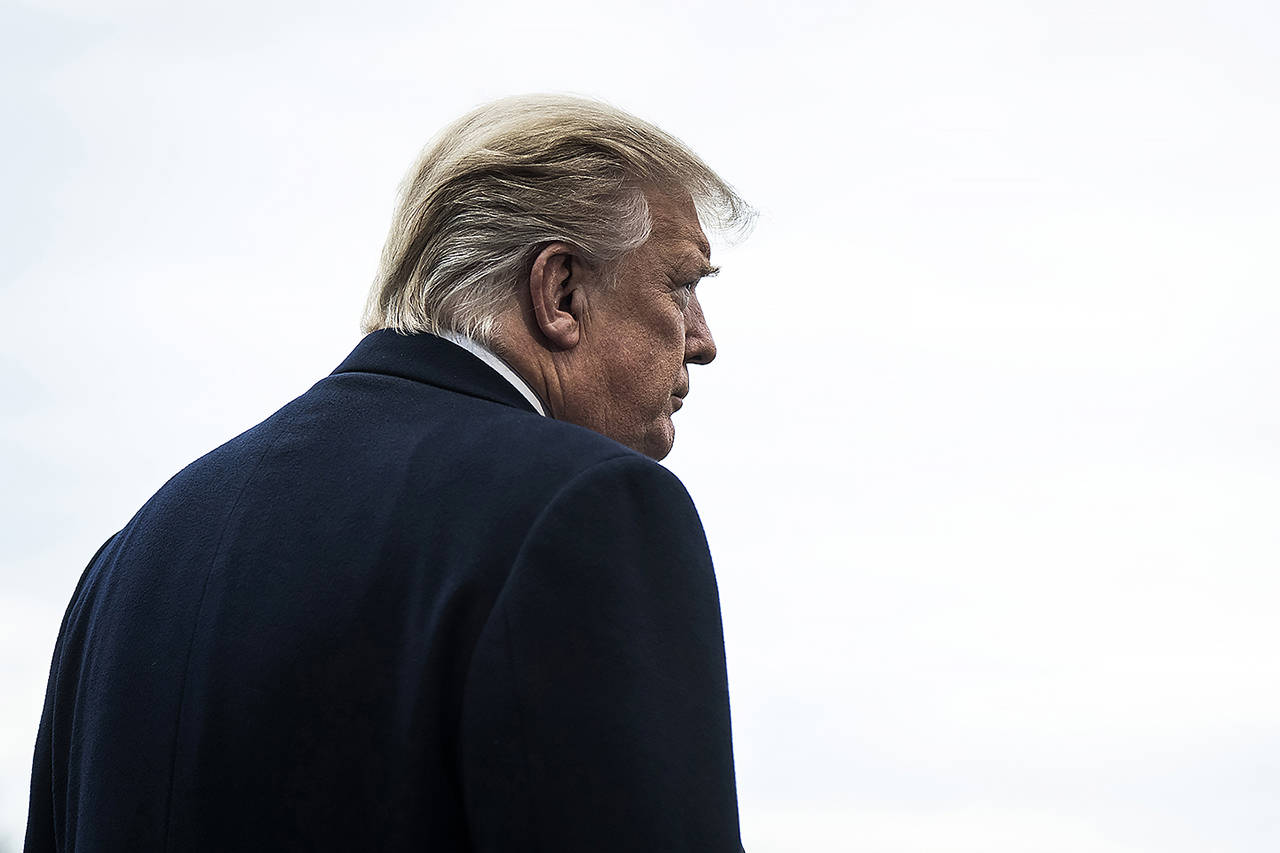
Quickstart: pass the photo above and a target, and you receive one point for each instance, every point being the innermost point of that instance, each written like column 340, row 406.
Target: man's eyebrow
column 686, row 269
column 706, row 270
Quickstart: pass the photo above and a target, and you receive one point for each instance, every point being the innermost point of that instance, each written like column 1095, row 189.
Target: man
column 444, row 600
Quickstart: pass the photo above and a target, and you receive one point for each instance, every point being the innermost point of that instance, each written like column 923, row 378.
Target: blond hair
column 512, row 176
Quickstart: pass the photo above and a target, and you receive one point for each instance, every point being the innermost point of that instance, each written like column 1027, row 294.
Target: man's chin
column 659, row 442
column 654, row 442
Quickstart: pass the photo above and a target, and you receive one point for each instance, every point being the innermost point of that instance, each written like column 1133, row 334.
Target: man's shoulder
column 429, row 427
column 405, row 439
column 397, row 453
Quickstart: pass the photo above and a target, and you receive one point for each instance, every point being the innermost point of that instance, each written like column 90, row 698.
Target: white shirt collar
column 504, row 370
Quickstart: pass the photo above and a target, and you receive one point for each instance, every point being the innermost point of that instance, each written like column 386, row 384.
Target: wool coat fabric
column 404, row 612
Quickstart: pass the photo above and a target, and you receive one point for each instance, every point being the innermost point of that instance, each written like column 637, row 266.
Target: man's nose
column 699, row 346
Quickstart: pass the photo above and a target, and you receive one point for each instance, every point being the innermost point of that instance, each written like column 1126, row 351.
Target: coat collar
column 433, row 360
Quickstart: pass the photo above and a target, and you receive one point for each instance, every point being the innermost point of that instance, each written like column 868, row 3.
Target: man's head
column 563, row 234
column 610, row 350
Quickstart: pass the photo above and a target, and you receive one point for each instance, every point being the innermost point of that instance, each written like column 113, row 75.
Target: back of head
column 511, row 177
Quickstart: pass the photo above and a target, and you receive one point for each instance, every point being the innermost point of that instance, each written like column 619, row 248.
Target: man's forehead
column 700, row 243
column 689, row 245
column 675, row 224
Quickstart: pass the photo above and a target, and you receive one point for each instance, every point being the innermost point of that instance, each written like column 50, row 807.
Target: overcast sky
column 989, row 458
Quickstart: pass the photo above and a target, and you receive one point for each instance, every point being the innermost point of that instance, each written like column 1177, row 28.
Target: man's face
column 644, row 332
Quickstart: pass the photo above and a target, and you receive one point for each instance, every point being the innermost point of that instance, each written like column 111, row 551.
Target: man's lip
column 677, row 401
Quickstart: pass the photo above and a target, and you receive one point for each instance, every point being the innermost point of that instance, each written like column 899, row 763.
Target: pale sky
column 990, row 457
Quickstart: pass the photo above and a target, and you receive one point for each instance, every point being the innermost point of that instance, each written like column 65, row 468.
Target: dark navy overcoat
column 405, row 612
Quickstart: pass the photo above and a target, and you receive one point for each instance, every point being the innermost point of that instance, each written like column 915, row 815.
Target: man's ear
column 557, row 290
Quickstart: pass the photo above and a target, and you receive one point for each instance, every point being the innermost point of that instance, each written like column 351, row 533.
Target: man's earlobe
column 556, row 288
